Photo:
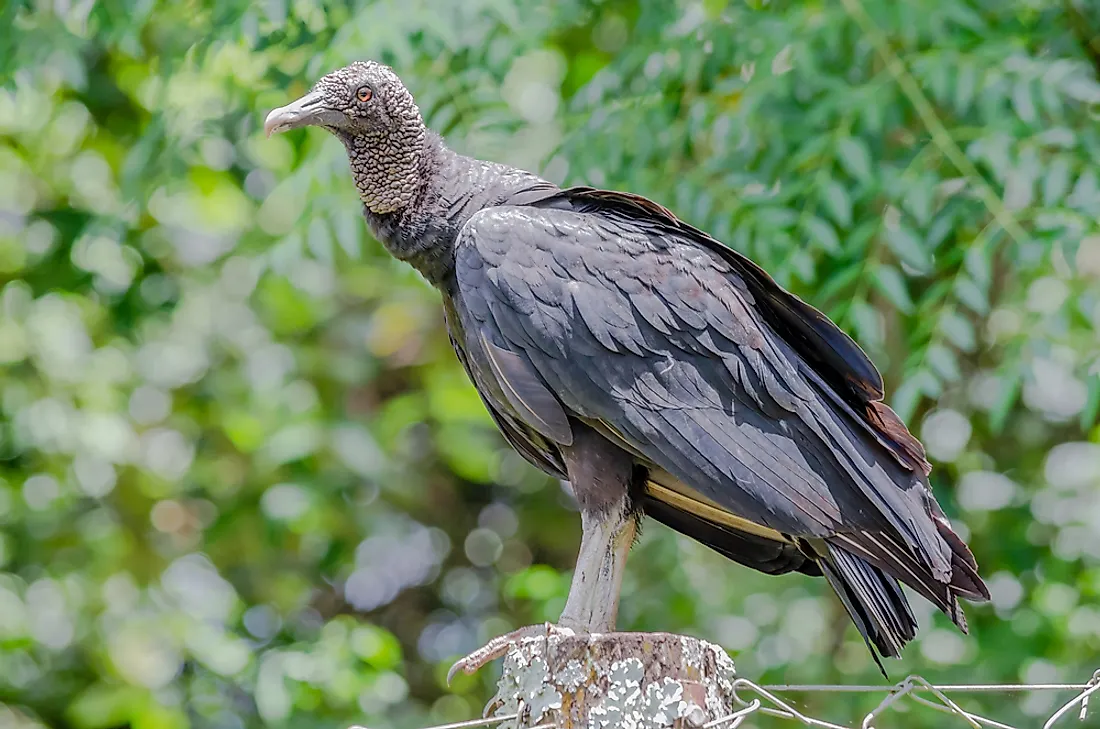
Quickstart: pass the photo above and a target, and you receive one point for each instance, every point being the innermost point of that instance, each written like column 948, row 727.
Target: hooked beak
column 303, row 112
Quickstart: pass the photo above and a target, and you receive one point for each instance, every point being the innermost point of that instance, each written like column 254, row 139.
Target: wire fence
column 752, row 699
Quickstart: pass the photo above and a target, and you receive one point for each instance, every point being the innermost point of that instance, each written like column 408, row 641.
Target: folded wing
column 760, row 421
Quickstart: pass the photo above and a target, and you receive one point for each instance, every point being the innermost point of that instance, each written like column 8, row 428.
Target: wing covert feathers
column 527, row 394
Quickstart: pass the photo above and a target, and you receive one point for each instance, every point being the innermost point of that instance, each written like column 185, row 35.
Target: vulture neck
column 386, row 164
column 420, row 232
column 449, row 189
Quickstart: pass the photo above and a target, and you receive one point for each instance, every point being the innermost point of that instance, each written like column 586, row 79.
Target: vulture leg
column 600, row 473
column 607, row 533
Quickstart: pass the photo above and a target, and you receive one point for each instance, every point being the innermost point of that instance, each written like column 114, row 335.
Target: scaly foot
column 498, row 647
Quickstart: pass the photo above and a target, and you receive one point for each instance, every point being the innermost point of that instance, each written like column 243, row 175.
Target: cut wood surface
column 635, row 680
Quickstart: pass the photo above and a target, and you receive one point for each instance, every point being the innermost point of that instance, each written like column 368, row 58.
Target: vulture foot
column 498, row 647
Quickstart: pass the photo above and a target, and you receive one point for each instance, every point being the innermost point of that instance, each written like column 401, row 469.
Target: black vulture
column 658, row 370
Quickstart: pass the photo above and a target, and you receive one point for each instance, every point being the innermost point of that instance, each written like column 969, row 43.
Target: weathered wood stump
column 613, row 681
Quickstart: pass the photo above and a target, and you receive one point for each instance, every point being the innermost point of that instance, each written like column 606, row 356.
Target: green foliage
column 243, row 480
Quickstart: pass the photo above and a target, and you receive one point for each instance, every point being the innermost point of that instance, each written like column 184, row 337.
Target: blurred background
column 243, row 480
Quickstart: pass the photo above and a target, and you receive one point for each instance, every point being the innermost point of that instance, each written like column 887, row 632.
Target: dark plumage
column 658, row 370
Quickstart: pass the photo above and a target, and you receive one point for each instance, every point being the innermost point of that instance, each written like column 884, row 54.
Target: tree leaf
column 285, row 255
column 871, row 114
column 867, row 323
column 348, row 231
column 811, row 151
column 916, row 386
column 803, row 263
column 1009, row 391
column 1056, row 181
column 1082, row 89
column 918, row 200
column 909, row 248
column 782, row 62
column 1023, row 103
column 1086, row 193
column 958, row 330
column 891, row 283
column 939, row 81
column 942, row 226
column 318, row 240
column 979, row 265
column 1019, row 189
column 943, row 362
column 822, row 233
column 965, row 83
column 776, row 217
column 837, row 202
column 971, row 295
column 836, row 283
column 906, row 397
column 1052, row 100
column 857, row 241
column 1092, row 405
column 965, row 16
column 855, row 158
column 930, row 385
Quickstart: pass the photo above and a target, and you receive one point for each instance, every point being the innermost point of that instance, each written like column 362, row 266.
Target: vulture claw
column 498, row 647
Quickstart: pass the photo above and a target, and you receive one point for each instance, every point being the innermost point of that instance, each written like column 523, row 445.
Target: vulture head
column 366, row 106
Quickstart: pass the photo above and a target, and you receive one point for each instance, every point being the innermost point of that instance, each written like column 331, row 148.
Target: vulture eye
column 364, row 93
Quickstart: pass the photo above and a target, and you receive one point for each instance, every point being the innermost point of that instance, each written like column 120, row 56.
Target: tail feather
column 874, row 601
column 883, row 552
column 965, row 580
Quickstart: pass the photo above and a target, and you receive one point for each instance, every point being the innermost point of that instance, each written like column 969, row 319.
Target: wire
column 768, row 702
column 947, row 688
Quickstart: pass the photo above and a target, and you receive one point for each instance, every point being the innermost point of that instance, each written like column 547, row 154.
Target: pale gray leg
column 600, row 473
column 593, row 601
column 606, row 539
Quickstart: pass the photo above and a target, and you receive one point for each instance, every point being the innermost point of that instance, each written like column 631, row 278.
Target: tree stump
column 614, row 681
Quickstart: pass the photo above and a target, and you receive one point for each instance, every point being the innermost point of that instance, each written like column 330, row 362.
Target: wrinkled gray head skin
column 367, row 107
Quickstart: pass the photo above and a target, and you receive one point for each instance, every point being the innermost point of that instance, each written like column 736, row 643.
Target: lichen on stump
column 614, row 681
